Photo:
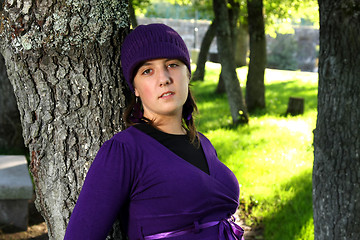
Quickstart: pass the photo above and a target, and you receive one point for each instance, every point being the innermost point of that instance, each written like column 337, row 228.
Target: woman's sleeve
column 106, row 188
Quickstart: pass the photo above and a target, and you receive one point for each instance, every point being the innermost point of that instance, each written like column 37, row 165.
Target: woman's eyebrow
column 146, row 64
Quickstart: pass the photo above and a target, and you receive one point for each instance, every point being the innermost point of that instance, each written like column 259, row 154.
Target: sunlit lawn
column 272, row 156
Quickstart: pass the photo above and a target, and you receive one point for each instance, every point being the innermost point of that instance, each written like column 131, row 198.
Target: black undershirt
column 178, row 144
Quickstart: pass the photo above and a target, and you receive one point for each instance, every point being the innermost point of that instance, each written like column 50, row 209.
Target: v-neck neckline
column 205, row 150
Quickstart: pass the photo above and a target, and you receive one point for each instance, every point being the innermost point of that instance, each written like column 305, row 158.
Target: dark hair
column 134, row 114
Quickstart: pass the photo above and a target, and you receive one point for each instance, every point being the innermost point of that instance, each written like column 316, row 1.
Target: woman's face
column 162, row 85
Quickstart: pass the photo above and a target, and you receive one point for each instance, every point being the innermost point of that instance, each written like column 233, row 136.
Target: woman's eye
column 173, row 65
column 146, row 72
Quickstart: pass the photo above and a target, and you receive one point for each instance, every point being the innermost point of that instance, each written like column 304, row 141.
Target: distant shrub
column 176, row 11
column 282, row 51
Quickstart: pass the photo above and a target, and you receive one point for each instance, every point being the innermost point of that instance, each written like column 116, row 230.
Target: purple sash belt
column 228, row 230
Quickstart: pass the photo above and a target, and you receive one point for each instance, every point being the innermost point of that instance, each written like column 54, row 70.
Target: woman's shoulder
column 125, row 141
column 128, row 136
column 205, row 142
column 202, row 137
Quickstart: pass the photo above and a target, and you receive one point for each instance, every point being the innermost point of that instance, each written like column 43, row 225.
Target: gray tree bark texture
column 336, row 173
column 63, row 61
column 236, row 101
column 10, row 126
column 255, row 86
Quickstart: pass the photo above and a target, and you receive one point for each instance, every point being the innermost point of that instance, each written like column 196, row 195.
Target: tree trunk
column 133, row 20
column 220, row 89
column 63, row 61
column 242, row 46
column 233, row 14
column 237, row 105
column 255, row 86
column 295, row 106
column 240, row 55
column 336, row 176
column 199, row 73
column 10, row 127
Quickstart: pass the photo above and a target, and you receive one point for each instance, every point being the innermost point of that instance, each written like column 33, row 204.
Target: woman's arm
column 105, row 190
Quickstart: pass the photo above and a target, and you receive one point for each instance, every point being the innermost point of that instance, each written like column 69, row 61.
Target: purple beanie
column 148, row 42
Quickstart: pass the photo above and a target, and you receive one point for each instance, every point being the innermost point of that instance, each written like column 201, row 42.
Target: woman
column 159, row 176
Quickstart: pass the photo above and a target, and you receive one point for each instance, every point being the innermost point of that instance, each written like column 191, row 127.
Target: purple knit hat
column 148, row 42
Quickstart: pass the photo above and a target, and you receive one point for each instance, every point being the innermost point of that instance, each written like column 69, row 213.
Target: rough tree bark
column 235, row 98
column 62, row 60
column 10, row 125
column 255, row 86
column 336, row 173
column 210, row 34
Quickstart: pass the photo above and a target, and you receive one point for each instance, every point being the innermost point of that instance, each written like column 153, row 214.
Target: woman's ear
column 136, row 92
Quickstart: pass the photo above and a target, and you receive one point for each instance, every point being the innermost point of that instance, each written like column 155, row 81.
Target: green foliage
column 140, row 3
column 292, row 10
column 199, row 9
column 280, row 15
column 282, row 52
column 272, row 156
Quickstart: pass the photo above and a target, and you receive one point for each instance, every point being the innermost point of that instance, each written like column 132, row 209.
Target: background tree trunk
column 10, row 127
column 220, row 88
column 233, row 15
column 336, row 178
column 63, row 61
column 132, row 15
column 242, row 46
column 199, row 73
column 237, row 105
column 241, row 39
column 255, row 86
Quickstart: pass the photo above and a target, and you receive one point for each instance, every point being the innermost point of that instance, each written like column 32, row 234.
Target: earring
column 188, row 110
column 136, row 111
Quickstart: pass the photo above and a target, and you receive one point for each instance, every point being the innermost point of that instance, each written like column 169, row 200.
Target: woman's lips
column 166, row 94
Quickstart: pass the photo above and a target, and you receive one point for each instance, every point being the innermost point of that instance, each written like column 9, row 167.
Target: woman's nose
column 164, row 77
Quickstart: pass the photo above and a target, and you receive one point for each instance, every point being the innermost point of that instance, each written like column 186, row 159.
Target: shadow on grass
column 215, row 112
column 289, row 219
column 277, row 95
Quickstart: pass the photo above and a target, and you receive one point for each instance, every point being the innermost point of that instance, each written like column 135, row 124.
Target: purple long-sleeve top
column 152, row 190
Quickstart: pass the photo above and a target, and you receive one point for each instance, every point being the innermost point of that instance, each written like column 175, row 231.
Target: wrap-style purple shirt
column 153, row 191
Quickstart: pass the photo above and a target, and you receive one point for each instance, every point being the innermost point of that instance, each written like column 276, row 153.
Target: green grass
column 272, row 156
